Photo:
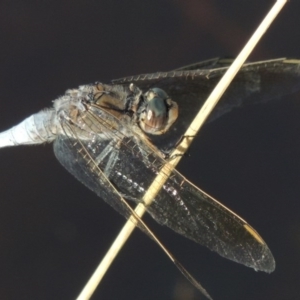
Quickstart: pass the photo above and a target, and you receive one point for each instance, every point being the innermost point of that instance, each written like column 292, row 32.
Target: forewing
column 191, row 212
column 191, row 85
column 203, row 219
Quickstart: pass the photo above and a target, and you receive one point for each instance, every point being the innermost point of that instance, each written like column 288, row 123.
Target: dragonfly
column 115, row 138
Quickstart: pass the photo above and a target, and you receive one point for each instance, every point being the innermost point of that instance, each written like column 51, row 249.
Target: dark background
column 53, row 231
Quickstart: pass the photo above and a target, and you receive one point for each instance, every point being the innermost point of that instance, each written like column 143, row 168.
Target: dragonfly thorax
column 154, row 112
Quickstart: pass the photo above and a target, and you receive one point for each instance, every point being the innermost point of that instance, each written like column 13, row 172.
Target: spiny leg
column 111, row 150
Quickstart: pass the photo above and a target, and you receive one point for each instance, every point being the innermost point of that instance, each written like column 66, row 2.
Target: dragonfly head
column 159, row 112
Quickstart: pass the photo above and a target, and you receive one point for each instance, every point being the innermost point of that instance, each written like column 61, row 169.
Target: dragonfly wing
column 133, row 167
column 190, row 86
column 203, row 219
column 191, row 212
column 71, row 154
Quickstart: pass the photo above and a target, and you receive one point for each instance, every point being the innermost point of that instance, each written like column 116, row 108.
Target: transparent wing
column 80, row 157
column 179, row 205
column 190, row 86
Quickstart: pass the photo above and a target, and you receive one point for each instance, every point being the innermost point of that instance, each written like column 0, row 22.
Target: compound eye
column 159, row 113
column 156, row 93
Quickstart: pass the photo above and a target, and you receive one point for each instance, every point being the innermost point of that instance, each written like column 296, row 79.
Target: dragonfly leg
column 182, row 138
column 113, row 157
column 186, row 154
column 112, row 151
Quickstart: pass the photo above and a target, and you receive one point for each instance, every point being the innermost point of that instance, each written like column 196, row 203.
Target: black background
column 53, row 231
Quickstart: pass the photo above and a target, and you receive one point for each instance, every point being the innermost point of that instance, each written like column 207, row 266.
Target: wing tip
column 267, row 262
